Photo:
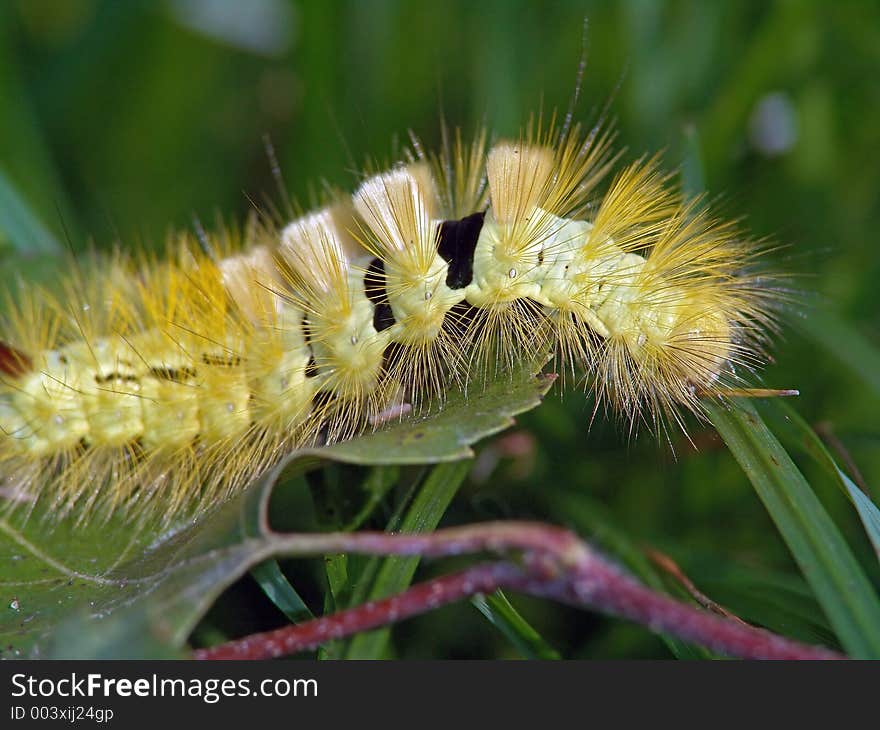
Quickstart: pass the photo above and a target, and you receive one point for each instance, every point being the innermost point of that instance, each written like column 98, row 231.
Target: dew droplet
column 15, row 605
column 512, row 273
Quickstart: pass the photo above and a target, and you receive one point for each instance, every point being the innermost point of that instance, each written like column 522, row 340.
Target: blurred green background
column 120, row 120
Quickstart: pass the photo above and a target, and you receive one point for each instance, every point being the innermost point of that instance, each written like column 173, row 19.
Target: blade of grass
column 868, row 512
column 397, row 573
column 519, row 632
column 278, row 589
column 788, row 424
column 840, row 585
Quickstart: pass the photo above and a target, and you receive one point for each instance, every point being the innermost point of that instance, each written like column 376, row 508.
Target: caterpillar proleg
column 158, row 388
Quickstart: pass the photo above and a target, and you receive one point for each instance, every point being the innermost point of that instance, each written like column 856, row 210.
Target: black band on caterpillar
column 458, row 241
column 374, row 288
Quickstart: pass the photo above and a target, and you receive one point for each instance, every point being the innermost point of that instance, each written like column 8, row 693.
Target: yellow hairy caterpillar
column 156, row 388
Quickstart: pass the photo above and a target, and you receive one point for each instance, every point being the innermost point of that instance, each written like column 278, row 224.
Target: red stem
column 556, row 564
column 418, row 599
column 608, row 590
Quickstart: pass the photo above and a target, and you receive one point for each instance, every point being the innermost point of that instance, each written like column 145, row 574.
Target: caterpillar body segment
column 324, row 270
column 159, row 388
column 402, row 233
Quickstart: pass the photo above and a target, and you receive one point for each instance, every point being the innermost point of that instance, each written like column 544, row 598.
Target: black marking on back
column 458, row 241
column 223, row 361
column 178, row 375
column 374, row 287
column 311, row 365
column 110, row 377
column 311, row 368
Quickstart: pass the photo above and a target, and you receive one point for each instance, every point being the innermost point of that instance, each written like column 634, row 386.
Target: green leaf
column 447, row 435
column 519, row 632
column 48, row 572
column 100, row 589
column 846, row 596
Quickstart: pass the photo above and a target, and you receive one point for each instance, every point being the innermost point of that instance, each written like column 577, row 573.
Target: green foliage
column 120, row 120
column 849, row 600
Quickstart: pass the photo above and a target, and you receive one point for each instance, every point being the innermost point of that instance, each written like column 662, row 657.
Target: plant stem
column 554, row 564
column 370, row 615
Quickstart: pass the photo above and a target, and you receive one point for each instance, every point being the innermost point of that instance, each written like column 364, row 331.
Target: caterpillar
column 158, row 387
